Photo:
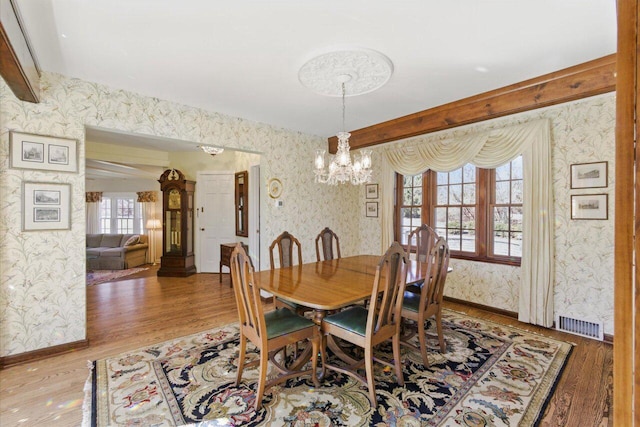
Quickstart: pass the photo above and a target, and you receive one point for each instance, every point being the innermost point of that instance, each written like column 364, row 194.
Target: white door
column 216, row 221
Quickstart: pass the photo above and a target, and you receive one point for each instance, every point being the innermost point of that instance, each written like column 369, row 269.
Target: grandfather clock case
column 177, row 225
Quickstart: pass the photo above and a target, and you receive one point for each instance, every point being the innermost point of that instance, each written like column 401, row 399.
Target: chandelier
column 210, row 149
column 347, row 72
column 341, row 168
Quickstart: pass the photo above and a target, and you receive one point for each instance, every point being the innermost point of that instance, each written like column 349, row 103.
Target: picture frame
column 590, row 206
column 589, row 175
column 42, row 152
column 371, row 191
column 372, row 209
column 46, row 206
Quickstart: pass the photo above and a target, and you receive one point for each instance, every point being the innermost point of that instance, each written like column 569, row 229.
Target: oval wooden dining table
column 327, row 286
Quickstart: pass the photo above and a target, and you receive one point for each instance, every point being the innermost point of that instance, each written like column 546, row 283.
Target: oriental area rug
column 490, row 375
column 101, row 276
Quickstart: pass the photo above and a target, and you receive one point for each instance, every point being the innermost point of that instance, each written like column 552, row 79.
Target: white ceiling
column 242, row 57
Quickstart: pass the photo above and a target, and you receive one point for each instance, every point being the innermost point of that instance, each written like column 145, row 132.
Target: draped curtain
column 148, row 200
column 93, row 199
column 489, row 150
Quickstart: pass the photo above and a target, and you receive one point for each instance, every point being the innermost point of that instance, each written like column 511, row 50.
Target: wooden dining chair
column 428, row 303
column 368, row 327
column 286, row 245
column 269, row 332
column 325, row 244
column 420, row 242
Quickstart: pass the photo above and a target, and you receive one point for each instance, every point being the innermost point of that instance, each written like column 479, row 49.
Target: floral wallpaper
column 582, row 132
column 42, row 287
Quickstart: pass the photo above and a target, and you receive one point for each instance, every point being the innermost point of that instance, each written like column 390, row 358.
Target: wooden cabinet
column 225, row 257
column 177, row 225
column 242, row 212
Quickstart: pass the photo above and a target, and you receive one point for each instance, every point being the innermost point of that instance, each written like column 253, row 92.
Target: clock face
column 274, row 188
column 174, row 199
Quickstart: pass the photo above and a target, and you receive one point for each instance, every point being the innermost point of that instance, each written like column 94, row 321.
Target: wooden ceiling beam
column 580, row 81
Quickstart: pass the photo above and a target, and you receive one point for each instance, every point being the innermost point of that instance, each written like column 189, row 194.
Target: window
column 120, row 215
column 478, row 211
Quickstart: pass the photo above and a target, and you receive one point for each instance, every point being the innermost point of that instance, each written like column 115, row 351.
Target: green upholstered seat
column 411, row 301
column 282, row 321
column 353, row 319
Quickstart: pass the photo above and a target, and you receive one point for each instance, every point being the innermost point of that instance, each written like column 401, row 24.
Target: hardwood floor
column 143, row 309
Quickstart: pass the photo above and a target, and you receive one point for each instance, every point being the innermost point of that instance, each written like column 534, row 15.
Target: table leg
column 318, row 315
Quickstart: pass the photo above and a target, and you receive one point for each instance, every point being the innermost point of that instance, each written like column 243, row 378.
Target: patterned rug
column 100, row 276
column 490, row 375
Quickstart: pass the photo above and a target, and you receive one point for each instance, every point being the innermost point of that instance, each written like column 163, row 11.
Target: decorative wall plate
column 274, row 188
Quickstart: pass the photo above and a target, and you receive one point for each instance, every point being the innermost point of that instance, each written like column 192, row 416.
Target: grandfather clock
column 177, row 225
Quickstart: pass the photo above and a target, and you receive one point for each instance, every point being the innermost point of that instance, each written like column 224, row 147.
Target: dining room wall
column 582, row 132
column 42, row 286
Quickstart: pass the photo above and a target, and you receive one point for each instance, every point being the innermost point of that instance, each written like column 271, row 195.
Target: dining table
column 328, row 286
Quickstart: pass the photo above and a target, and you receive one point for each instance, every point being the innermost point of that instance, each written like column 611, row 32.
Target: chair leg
column 397, row 361
column 439, row 329
column 262, row 377
column 323, row 347
column 422, row 337
column 368, row 361
column 241, row 358
column 315, row 345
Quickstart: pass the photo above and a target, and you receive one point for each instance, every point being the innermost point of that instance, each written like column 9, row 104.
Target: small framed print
column 46, row 206
column 372, row 191
column 49, row 153
column 589, row 175
column 372, row 209
column 590, row 206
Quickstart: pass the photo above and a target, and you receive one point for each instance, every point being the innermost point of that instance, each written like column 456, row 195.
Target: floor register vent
column 580, row 327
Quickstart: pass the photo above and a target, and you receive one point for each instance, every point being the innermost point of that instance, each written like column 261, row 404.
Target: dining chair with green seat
column 325, row 244
column 419, row 242
column 287, row 245
column 428, row 303
column 269, row 332
column 368, row 327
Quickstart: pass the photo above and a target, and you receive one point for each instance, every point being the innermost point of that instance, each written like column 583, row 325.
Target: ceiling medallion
column 345, row 73
column 361, row 70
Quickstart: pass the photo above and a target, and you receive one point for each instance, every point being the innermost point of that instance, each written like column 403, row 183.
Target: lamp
column 210, row 149
column 341, row 168
column 153, row 224
column 345, row 73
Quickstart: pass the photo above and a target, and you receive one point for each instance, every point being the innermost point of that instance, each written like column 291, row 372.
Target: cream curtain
column 93, row 199
column 489, row 150
column 148, row 200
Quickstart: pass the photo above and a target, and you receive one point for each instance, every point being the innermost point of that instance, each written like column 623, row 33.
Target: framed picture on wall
column 372, row 209
column 48, row 153
column 372, row 191
column 589, row 175
column 589, row 206
column 46, row 206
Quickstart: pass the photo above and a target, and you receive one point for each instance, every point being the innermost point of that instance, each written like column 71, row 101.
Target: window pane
column 455, row 194
column 417, row 180
column 503, row 192
column 404, row 235
column 407, row 181
column 469, row 241
column 516, row 168
column 469, row 173
column 453, row 219
column 469, row 194
column 453, row 239
column 441, row 218
column 516, row 244
column 408, row 197
column 443, row 178
column 516, row 192
column 503, row 172
column 417, row 196
column 468, row 218
column 500, row 247
column 455, row 177
column 443, row 195
column 516, row 219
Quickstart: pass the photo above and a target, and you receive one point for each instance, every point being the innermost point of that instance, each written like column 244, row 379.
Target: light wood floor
column 144, row 309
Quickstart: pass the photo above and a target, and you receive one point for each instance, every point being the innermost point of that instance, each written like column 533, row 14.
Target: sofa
column 116, row 251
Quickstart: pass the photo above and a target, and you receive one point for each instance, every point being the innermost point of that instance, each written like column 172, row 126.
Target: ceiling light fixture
column 210, row 149
column 345, row 73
